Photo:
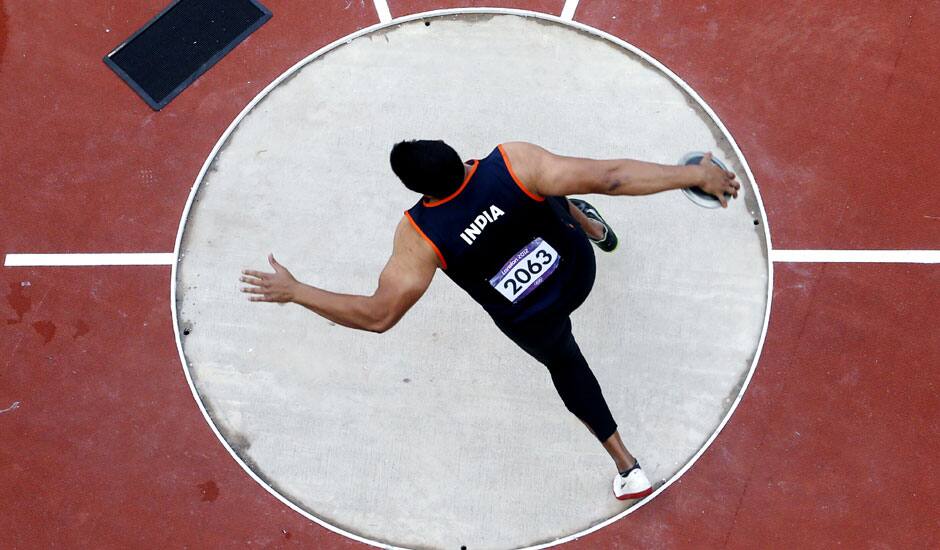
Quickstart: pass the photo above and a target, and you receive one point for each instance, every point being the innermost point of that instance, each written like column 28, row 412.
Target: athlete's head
column 428, row 167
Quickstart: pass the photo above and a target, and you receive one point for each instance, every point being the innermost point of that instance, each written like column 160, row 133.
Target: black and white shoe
column 609, row 242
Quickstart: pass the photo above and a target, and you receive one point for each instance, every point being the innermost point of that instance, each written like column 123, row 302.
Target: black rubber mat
column 186, row 39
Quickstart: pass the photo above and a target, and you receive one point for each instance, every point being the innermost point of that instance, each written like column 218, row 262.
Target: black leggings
column 549, row 340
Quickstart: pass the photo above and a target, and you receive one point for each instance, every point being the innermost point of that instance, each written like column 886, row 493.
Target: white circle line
column 440, row 13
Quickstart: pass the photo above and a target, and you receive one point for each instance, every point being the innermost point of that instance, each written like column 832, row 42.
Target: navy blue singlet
column 514, row 253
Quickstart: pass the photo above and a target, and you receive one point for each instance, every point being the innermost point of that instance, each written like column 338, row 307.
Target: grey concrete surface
column 440, row 433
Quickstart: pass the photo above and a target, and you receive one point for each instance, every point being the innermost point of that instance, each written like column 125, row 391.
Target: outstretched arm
column 548, row 174
column 403, row 281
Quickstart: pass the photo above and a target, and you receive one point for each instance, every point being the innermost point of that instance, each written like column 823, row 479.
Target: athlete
column 502, row 228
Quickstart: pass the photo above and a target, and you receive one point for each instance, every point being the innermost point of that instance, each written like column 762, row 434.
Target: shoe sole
column 634, row 496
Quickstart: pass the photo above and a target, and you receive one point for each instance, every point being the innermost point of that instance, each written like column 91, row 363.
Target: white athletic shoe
column 632, row 486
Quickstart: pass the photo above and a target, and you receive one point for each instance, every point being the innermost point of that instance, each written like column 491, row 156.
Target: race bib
column 526, row 270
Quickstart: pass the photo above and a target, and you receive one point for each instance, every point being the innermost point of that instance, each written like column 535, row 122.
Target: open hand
column 270, row 287
column 717, row 182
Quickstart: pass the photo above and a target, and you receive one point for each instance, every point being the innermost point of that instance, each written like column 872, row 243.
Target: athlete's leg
column 593, row 228
column 618, row 451
column 554, row 346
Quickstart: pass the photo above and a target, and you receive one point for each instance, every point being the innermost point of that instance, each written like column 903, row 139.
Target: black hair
column 428, row 167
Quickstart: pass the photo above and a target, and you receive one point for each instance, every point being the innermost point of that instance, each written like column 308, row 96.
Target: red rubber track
column 834, row 104
column 835, row 443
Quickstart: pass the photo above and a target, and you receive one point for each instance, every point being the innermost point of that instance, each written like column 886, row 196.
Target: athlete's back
column 514, row 252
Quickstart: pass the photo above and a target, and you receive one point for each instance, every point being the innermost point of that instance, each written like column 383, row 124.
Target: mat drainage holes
column 428, row 24
column 463, row 548
column 756, row 222
column 186, row 332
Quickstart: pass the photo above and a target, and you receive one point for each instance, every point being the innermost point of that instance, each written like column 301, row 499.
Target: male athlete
column 502, row 229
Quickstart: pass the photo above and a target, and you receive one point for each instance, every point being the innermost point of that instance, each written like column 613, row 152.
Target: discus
column 696, row 194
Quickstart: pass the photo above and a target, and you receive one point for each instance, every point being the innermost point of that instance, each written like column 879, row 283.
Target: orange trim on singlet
column 426, row 238
column 466, row 180
column 516, row 179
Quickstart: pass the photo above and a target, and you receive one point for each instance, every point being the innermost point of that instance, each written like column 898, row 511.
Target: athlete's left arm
column 403, row 281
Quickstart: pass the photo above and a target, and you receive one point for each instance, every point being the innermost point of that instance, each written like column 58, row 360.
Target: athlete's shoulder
column 411, row 240
column 523, row 161
column 522, row 152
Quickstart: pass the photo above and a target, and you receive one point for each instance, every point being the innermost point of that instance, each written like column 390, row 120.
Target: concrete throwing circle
column 440, row 433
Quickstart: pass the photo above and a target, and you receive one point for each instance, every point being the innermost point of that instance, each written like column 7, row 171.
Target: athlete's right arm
column 403, row 281
column 405, row 278
column 547, row 174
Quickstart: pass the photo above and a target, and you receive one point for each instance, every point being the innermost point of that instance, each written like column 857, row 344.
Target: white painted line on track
column 71, row 260
column 567, row 12
column 856, row 256
column 381, row 6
